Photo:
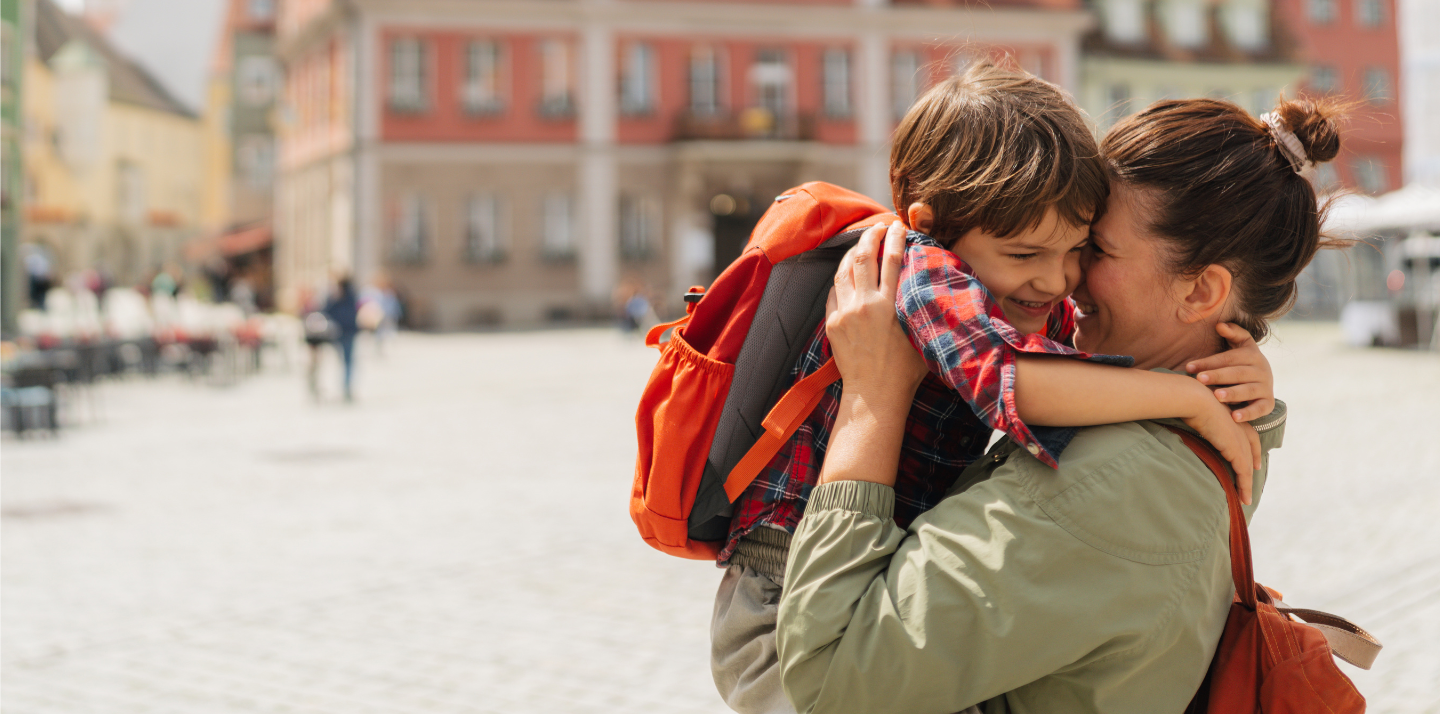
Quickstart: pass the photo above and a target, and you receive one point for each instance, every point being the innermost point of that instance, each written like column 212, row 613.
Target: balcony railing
column 747, row 124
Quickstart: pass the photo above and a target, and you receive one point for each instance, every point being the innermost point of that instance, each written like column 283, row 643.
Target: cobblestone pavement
column 457, row 540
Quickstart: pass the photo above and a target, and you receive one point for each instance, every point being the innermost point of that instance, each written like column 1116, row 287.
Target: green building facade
column 12, row 167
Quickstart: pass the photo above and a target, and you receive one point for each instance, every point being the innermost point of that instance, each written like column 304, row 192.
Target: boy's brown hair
column 996, row 148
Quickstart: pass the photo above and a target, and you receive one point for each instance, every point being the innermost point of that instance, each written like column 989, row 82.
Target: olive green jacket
column 1101, row 586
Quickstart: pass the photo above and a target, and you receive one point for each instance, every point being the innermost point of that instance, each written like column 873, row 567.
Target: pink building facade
column 1353, row 51
column 523, row 161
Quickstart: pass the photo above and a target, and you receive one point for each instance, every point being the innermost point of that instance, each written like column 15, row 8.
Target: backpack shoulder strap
column 780, row 424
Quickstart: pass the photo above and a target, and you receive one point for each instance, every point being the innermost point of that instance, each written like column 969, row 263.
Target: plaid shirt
column 970, row 349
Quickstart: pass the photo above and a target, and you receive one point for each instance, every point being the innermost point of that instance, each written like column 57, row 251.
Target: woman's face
column 1126, row 298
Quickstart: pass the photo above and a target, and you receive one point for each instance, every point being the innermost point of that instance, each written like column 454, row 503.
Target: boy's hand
column 1237, row 443
column 1238, row 375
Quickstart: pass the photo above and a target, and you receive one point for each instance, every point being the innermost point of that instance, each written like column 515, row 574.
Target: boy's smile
column 1029, row 272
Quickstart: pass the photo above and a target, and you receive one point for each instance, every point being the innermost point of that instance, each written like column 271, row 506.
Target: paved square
column 458, row 541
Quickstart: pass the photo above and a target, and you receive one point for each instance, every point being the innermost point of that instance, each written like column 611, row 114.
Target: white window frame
column 1370, row 175
column 639, row 223
column 637, row 80
column 1247, row 24
column 557, row 78
column 1369, row 13
column 409, row 89
column 1324, row 78
column 412, row 231
column 771, row 78
column 837, row 82
column 1124, row 20
column 905, row 81
column 704, row 80
column 1186, row 22
column 258, row 78
column 255, row 157
column 1379, row 87
column 482, row 90
column 1321, row 12
column 557, row 232
column 485, row 235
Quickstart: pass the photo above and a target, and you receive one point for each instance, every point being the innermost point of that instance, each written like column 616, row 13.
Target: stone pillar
column 692, row 237
column 873, row 115
column 1067, row 65
column 598, row 249
column 363, row 188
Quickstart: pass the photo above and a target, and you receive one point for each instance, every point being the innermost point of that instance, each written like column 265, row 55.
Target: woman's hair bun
column 1316, row 123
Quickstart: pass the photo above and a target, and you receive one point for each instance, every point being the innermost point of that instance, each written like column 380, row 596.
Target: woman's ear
column 920, row 217
column 1206, row 295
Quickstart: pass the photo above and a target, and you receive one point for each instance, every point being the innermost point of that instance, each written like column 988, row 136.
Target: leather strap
column 1242, row 570
column 784, row 418
column 1347, row 640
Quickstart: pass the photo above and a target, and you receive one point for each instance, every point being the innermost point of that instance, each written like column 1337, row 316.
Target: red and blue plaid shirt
column 970, row 349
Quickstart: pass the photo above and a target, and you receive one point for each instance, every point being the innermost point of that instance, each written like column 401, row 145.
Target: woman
column 1102, row 585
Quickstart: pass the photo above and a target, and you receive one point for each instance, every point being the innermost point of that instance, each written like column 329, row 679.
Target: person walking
column 342, row 311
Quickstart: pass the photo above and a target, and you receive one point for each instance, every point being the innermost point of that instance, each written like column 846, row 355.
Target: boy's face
column 1030, row 272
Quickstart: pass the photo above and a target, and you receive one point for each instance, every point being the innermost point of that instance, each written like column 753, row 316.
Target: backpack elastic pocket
column 675, row 425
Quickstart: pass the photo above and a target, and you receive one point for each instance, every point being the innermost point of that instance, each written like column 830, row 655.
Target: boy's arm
column 1051, row 391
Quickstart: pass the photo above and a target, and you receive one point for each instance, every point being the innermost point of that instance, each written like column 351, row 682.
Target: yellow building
column 113, row 161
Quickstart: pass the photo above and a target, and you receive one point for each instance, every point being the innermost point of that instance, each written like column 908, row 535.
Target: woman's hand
column 874, row 355
column 1238, row 375
column 879, row 367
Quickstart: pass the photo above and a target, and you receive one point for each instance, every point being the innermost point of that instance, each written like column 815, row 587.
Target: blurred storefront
column 518, row 162
column 111, row 176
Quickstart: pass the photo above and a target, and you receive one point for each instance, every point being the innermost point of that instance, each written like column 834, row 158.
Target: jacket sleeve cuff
column 863, row 497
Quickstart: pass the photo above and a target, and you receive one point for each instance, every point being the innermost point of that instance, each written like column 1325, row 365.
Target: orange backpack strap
column 784, row 418
column 652, row 338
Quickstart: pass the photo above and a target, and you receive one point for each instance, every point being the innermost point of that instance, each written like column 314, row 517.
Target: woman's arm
column 881, row 368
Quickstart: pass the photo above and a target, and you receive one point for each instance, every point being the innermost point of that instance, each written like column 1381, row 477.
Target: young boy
column 1000, row 178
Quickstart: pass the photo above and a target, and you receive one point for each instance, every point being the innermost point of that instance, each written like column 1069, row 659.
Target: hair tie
column 1289, row 144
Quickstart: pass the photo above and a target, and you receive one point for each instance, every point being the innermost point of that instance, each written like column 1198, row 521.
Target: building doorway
column 735, row 218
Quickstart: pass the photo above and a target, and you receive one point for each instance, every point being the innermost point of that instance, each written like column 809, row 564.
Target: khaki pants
column 742, row 643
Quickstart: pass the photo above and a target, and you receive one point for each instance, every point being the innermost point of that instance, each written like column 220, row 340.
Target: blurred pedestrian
column 342, row 310
column 37, row 272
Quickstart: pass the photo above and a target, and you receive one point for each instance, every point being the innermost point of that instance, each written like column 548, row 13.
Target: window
column 704, row 81
column 1263, row 100
column 1185, row 22
column 1124, row 20
column 255, row 157
column 412, row 230
column 481, row 93
column 1377, row 85
column 407, row 75
column 1369, row 13
column 771, row 77
column 557, row 239
column 484, row 241
column 557, row 83
column 638, row 223
column 1246, row 24
column 1325, row 178
column 637, row 80
column 1321, row 12
column 261, row 9
column 904, row 81
column 836, row 77
column 1369, row 174
column 258, row 79
column 1118, row 99
column 131, row 188
column 1324, row 78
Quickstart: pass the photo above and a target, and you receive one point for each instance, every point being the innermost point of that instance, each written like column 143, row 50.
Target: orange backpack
column 1268, row 660
column 716, row 410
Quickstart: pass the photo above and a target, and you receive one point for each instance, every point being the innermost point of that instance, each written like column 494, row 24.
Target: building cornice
column 918, row 23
